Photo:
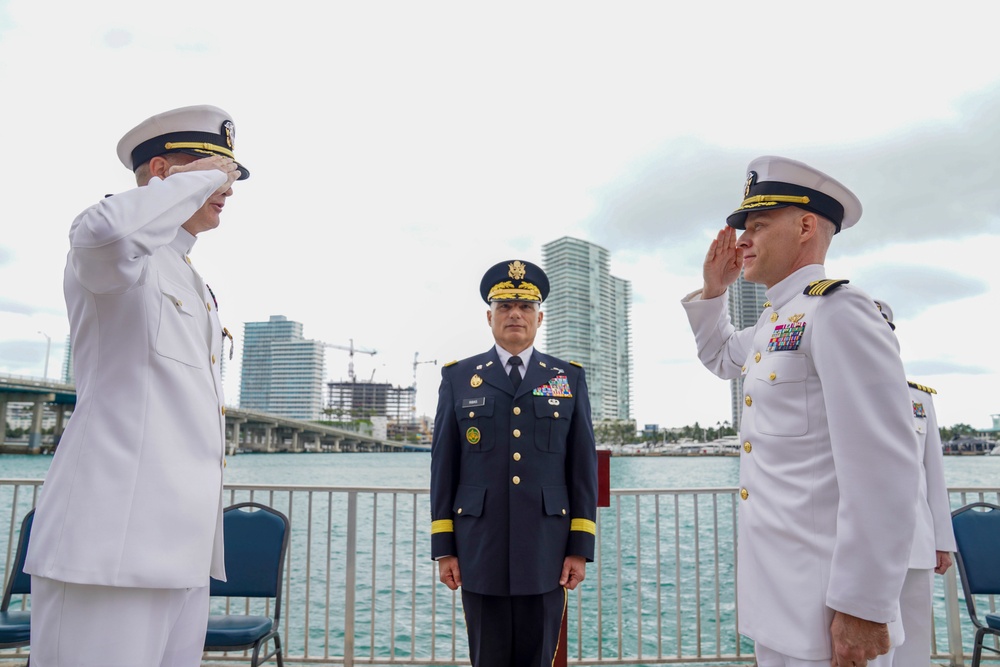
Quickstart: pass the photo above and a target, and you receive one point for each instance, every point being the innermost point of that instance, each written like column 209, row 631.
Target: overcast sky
column 398, row 149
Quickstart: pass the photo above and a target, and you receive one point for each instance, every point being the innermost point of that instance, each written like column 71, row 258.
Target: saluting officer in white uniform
column 934, row 538
column 128, row 527
column 827, row 471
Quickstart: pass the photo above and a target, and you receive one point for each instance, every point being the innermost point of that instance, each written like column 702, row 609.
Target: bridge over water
column 246, row 430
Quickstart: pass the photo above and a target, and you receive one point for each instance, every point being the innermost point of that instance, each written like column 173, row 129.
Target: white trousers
column 768, row 658
column 915, row 610
column 76, row 625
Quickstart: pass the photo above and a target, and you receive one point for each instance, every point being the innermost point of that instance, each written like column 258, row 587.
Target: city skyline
column 381, row 190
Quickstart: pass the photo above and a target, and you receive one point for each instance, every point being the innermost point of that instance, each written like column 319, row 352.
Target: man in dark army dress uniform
column 513, row 479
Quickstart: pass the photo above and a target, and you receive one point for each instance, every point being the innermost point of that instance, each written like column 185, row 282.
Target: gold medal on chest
column 476, row 381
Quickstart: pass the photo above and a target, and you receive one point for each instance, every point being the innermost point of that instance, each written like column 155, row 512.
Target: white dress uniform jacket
column 933, row 532
column 827, row 471
column 133, row 497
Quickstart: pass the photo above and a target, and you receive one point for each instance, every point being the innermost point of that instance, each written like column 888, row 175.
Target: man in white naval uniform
column 934, row 538
column 827, row 470
column 128, row 526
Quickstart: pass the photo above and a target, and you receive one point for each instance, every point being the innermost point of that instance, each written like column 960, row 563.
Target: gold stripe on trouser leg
column 561, row 621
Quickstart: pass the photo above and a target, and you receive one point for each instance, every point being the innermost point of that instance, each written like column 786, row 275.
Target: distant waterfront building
column 351, row 401
column 746, row 303
column 587, row 319
column 282, row 372
column 67, row 366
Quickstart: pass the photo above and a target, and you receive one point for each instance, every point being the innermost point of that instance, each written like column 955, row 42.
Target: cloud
column 6, row 255
column 118, row 38
column 23, row 354
column 18, row 308
column 911, row 289
column 935, row 180
column 942, row 367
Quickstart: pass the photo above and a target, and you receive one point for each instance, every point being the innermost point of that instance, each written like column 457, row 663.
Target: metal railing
column 360, row 588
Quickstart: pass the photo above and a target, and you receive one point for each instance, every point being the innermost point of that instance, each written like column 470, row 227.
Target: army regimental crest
column 475, row 381
column 751, row 179
column 516, row 269
column 472, row 435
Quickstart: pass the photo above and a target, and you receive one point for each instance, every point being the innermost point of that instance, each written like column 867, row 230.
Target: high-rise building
column 746, row 303
column 587, row 319
column 282, row 372
column 68, row 376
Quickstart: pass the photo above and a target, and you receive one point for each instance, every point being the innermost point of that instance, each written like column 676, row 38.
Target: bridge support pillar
column 35, row 435
column 60, row 424
column 3, row 418
column 295, row 440
column 234, row 441
column 268, row 439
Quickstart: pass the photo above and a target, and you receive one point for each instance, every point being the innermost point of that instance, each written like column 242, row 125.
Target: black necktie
column 515, row 374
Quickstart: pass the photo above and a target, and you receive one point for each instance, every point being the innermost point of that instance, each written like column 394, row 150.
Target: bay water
column 630, row 551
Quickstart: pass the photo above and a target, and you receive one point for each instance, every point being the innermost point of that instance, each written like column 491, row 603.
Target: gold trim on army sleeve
column 583, row 526
column 443, row 526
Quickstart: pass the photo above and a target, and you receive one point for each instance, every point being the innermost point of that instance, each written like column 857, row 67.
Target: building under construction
column 351, row 401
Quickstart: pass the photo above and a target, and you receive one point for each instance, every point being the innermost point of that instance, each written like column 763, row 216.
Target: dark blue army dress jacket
column 513, row 476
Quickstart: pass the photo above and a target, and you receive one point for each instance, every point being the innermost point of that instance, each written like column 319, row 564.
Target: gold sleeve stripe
column 584, row 526
column 442, row 526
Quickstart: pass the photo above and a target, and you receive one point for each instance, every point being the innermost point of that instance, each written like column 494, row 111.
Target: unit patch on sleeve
column 786, row 337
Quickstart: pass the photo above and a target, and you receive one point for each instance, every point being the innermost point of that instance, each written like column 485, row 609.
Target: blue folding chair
column 256, row 541
column 15, row 626
column 977, row 533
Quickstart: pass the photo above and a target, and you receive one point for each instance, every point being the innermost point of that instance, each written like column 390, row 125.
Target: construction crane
column 351, row 350
column 417, row 363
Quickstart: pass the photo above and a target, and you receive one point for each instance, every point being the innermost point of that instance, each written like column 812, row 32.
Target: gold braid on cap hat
column 505, row 291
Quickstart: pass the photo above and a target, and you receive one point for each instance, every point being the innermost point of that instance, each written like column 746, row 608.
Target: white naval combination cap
column 201, row 130
column 886, row 311
column 776, row 182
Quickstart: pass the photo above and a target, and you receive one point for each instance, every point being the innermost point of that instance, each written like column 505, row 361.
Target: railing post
column 953, row 616
column 603, row 500
column 350, row 576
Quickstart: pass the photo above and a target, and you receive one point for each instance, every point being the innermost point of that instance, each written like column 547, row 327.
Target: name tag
column 473, row 402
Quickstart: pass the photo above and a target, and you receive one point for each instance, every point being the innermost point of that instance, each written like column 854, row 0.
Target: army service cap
column 201, row 130
column 514, row 280
column 776, row 182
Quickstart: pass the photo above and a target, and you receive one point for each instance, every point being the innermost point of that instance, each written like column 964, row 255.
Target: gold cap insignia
column 229, row 130
column 516, row 269
column 751, row 180
column 476, row 381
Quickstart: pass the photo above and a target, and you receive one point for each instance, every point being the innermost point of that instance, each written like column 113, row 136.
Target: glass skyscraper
column 282, row 372
column 587, row 319
column 746, row 303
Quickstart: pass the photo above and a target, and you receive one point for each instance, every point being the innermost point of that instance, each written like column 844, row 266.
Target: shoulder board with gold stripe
column 823, row 287
column 451, row 363
column 921, row 387
column 576, row 363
